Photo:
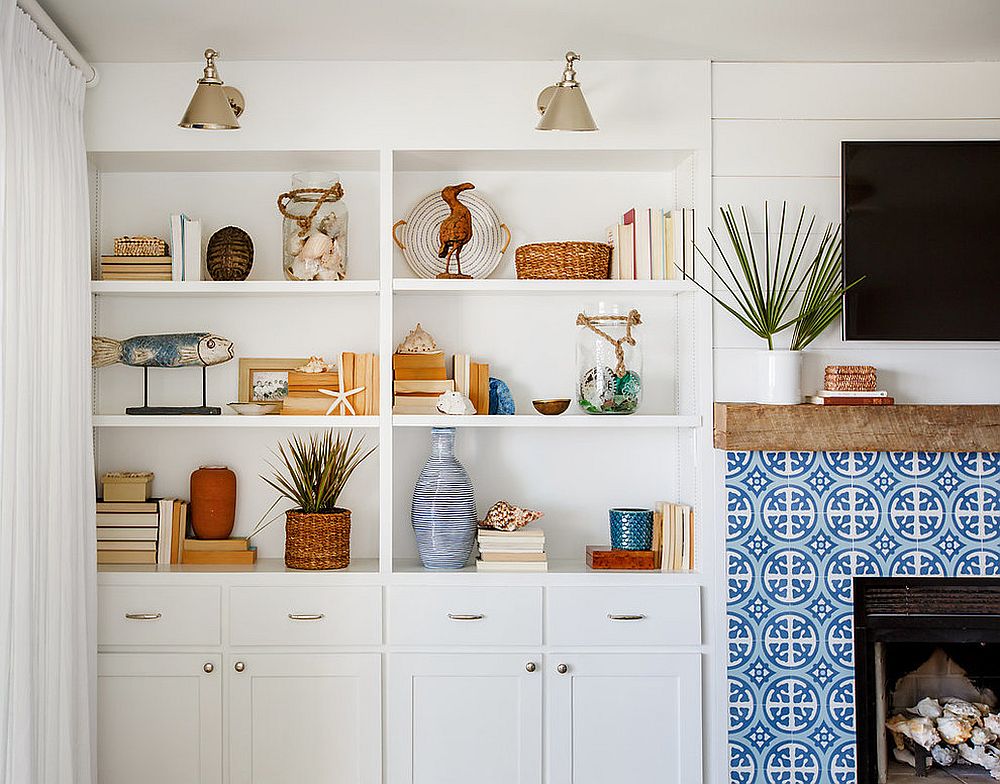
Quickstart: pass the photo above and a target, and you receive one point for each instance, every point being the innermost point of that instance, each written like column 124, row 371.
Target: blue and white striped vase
column 443, row 511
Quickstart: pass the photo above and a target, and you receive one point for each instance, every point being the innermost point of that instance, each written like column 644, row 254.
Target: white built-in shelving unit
column 573, row 467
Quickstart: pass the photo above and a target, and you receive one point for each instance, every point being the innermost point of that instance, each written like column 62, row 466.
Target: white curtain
column 47, row 529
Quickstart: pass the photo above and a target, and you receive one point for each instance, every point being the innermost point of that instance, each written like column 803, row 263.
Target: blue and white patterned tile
column 742, row 513
column 741, row 576
column 790, row 576
column 989, row 466
column 852, row 513
column 851, row 467
column 788, row 465
column 916, row 513
column 791, row 705
column 915, row 465
column 842, row 765
column 789, row 513
column 790, row 640
column 737, row 464
column 840, row 704
column 971, row 562
column 976, row 510
column 742, row 762
column 741, row 640
column 742, row 704
column 838, row 641
column 792, row 761
column 917, row 562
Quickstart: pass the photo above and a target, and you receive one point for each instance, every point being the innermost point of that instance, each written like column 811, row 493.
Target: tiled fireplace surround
column 800, row 526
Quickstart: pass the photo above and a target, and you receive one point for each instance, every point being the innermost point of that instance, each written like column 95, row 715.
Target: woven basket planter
column 564, row 261
column 318, row 541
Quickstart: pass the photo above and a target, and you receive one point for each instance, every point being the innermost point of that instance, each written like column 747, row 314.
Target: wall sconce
column 562, row 106
column 213, row 106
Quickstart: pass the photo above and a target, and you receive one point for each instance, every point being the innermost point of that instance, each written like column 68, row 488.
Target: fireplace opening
column 927, row 679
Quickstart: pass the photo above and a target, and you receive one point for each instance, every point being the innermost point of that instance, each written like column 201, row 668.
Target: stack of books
column 422, row 369
column 304, row 397
column 185, row 240
column 674, row 537
column 522, row 550
column 140, row 532
column 136, row 267
column 472, row 379
column 851, row 385
column 650, row 244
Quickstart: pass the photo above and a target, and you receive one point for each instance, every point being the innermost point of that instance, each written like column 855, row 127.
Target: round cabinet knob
column 209, row 667
column 239, row 666
column 562, row 669
column 530, row 666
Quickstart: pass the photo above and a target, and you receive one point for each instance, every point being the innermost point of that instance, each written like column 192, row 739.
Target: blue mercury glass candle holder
column 631, row 529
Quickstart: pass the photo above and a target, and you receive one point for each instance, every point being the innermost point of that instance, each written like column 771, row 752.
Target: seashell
column 294, row 244
column 455, row 403
column 331, row 225
column 304, row 269
column 981, row 736
column 507, row 517
column 980, row 755
column 992, row 723
column 927, row 707
column 418, row 341
column 315, row 365
column 229, row 255
column 328, row 274
column 965, row 710
column 920, row 730
column 316, row 245
column 944, row 755
column 905, row 756
column 954, row 729
column 334, row 261
column 984, row 709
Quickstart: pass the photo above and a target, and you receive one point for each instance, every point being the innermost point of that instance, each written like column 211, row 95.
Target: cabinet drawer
column 348, row 615
column 625, row 616
column 158, row 615
column 465, row 616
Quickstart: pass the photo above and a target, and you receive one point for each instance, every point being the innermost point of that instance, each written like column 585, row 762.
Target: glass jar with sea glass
column 609, row 361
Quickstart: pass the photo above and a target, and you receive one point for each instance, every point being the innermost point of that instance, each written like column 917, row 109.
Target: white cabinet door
column 460, row 718
column 624, row 717
column 159, row 718
column 305, row 718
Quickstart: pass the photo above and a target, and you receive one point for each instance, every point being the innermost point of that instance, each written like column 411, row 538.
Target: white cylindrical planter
column 779, row 377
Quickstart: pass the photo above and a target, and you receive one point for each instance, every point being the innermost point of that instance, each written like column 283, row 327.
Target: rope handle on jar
column 334, row 193
column 633, row 319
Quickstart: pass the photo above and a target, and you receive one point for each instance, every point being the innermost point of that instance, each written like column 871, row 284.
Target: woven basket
column 318, row 541
column 564, row 261
column 140, row 246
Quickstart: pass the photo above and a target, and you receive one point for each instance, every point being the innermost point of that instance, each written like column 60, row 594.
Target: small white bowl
column 255, row 408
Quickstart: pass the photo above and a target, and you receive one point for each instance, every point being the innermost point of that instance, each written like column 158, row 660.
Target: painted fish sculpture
column 183, row 349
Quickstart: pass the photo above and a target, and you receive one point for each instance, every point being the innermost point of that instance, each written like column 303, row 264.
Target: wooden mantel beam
column 808, row 428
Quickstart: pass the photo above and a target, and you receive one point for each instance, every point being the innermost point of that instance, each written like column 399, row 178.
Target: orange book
column 220, row 556
column 361, row 380
column 484, row 389
column 474, row 385
column 175, row 533
column 347, row 368
column 421, row 374
column 376, row 375
column 415, row 361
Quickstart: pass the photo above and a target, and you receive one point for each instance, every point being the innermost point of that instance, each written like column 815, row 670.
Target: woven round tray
column 564, row 261
column 318, row 541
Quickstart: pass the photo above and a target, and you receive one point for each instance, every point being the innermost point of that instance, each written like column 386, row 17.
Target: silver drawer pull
column 306, row 616
column 620, row 617
column 143, row 616
column 466, row 616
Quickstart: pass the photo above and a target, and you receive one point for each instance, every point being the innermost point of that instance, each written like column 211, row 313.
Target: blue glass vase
column 443, row 511
column 631, row 529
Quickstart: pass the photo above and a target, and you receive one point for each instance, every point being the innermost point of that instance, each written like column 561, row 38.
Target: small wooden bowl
column 552, row 407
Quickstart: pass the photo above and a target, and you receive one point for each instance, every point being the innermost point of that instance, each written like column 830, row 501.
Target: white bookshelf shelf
column 545, row 287
column 230, row 288
column 549, row 422
column 234, row 420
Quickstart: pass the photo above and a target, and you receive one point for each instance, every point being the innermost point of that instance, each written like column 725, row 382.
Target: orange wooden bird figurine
column 456, row 230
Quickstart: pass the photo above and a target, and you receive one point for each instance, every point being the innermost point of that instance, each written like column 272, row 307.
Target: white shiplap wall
column 776, row 131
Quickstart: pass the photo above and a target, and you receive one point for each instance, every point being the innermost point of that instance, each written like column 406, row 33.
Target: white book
column 835, row 393
column 626, row 253
column 133, row 546
column 126, row 534
column 689, row 238
column 176, row 248
column 658, row 258
column 165, row 530
column 128, row 519
column 191, row 238
column 511, row 566
column 643, row 244
column 686, row 542
column 671, row 272
column 520, row 533
column 677, row 232
column 613, row 241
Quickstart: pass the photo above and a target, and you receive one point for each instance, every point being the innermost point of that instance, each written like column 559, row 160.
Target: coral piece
column 981, row 736
column 455, row 404
column 504, row 516
column 417, row 341
column 501, row 400
column 987, row 756
column 316, row 365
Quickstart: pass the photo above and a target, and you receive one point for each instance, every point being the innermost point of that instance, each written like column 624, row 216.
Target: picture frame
column 260, row 378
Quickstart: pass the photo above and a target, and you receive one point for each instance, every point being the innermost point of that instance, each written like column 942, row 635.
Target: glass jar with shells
column 314, row 231
column 608, row 361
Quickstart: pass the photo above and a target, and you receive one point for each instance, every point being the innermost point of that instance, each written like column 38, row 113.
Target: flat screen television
column 922, row 225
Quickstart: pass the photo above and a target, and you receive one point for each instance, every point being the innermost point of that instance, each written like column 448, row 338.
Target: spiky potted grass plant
column 763, row 287
column 312, row 473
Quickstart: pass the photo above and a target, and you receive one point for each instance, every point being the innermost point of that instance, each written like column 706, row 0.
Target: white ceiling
column 878, row 30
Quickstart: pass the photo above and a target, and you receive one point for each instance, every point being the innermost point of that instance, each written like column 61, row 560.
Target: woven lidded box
column 140, row 246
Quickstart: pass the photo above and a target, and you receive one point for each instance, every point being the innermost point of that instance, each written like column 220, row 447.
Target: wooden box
column 126, row 486
column 603, row 557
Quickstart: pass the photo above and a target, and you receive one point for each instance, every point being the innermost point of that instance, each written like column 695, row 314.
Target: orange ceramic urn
column 213, row 502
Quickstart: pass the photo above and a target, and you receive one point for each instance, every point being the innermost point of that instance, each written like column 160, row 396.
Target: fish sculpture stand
column 175, row 350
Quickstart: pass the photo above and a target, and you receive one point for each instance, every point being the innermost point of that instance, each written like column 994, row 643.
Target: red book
column 629, row 220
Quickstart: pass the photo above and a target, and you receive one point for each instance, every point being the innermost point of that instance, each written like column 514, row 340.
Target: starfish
column 340, row 399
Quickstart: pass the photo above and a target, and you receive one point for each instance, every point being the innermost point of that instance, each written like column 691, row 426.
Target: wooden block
column 219, row 557
column 420, row 374
column 414, row 361
column 232, row 544
column 603, row 557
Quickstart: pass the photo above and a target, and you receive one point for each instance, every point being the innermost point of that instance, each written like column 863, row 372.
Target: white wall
column 777, row 129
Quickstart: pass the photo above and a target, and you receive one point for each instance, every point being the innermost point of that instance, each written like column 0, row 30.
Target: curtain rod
column 52, row 31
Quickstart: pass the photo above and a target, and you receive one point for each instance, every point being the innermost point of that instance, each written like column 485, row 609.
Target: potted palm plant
column 763, row 287
column 312, row 473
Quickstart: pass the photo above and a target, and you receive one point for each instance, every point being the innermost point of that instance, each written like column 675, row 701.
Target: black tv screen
column 922, row 225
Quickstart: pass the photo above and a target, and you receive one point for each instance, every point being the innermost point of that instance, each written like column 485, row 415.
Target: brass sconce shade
column 562, row 106
column 213, row 106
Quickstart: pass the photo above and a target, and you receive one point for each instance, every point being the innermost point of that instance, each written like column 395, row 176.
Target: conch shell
column 920, row 730
column 507, row 517
column 963, row 709
column 315, row 365
column 418, row 341
column 928, row 707
column 316, row 245
column 954, row 729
